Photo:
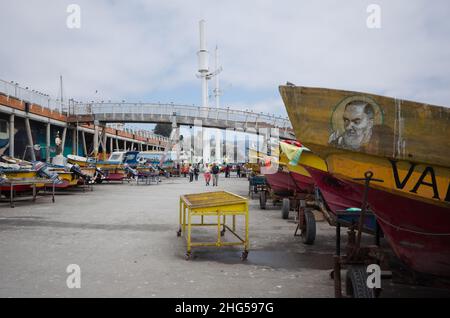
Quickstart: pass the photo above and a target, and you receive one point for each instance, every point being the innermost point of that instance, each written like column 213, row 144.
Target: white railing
column 220, row 114
column 32, row 96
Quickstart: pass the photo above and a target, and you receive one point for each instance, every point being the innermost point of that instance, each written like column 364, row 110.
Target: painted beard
column 353, row 139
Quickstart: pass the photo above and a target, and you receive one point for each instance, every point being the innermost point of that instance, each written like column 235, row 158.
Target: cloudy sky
column 139, row 50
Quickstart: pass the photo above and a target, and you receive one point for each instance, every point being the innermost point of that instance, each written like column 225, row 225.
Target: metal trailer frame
column 219, row 204
column 148, row 178
column 33, row 182
column 256, row 184
column 358, row 256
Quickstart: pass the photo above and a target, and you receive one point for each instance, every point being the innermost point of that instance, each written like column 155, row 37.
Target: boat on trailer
column 405, row 144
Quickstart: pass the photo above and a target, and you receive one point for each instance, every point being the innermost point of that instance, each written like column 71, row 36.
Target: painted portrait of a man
column 358, row 123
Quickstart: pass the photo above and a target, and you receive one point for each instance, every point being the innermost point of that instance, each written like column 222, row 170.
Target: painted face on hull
column 358, row 124
column 358, row 121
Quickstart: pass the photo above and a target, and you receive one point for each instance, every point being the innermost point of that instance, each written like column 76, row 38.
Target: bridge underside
column 180, row 120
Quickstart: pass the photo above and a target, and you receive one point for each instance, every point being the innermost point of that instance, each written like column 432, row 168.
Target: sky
column 145, row 51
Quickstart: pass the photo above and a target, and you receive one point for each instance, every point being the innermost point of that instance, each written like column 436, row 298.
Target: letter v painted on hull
column 401, row 184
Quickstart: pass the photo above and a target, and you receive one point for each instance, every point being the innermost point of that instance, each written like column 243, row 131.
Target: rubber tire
column 262, row 200
column 356, row 283
column 286, row 207
column 309, row 234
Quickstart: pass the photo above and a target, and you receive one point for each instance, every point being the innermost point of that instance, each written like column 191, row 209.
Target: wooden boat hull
column 331, row 121
column 68, row 180
column 418, row 230
column 337, row 194
column 26, row 174
column 406, row 144
column 281, row 183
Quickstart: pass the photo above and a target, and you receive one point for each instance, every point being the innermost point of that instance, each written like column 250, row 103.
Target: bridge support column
column 74, row 140
column 47, row 141
column 63, row 140
column 104, row 142
column 11, row 135
column 30, row 139
column 95, row 141
column 83, row 138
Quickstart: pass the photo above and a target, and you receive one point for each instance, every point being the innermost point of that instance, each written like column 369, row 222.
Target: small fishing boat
column 405, row 144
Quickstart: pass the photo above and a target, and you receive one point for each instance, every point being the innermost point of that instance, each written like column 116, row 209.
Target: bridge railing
column 31, row 96
column 221, row 114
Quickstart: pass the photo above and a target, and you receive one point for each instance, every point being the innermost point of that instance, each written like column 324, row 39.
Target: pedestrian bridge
column 224, row 118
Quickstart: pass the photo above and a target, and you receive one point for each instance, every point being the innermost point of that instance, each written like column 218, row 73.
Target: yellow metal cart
column 219, row 204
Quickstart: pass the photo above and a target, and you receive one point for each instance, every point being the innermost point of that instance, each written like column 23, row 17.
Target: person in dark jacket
column 196, row 172
column 215, row 174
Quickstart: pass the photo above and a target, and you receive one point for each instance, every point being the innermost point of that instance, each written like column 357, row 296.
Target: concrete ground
column 123, row 237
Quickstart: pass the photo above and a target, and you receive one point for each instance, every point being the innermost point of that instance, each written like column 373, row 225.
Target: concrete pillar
column 11, row 135
column 30, row 139
column 132, row 146
column 147, row 147
column 104, row 143
column 63, row 139
column 83, row 138
column 124, row 145
column 111, row 149
column 96, row 141
column 74, row 140
column 117, row 144
column 48, row 142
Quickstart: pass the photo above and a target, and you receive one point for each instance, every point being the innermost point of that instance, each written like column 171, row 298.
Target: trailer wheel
column 285, row 208
column 262, row 200
column 309, row 232
column 356, row 283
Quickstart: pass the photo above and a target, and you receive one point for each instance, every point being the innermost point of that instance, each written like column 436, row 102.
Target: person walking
column 207, row 175
column 238, row 171
column 196, row 172
column 191, row 173
column 227, row 171
column 215, row 174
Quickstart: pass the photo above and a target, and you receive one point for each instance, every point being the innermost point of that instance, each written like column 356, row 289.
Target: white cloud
column 138, row 48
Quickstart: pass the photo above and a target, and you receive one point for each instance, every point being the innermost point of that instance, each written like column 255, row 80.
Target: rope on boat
column 411, row 231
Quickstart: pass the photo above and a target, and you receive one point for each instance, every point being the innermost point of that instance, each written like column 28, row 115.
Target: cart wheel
column 332, row 275
column 356, row 283
column 309, row 232
column 222, row 233
column 285, row 209
column 262, row 200
column 179, row 233
column 188, row 256
column 244, row 255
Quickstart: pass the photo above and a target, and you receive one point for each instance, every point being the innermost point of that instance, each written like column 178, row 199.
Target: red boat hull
column 19, row 188
column 418, row 231
column 281, row 182
column 337, row 194
column 303, row 183
column 114, row 177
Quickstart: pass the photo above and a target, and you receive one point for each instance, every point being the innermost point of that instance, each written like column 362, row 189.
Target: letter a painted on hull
column 433, row 183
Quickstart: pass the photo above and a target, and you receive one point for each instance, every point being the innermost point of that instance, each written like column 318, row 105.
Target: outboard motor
column 75, row 169
column 44, row 172
column 131, row 171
